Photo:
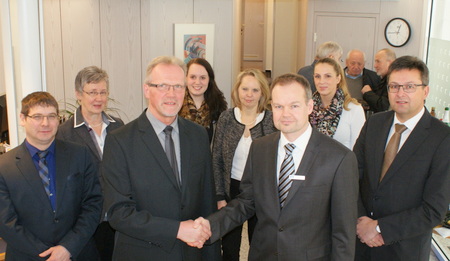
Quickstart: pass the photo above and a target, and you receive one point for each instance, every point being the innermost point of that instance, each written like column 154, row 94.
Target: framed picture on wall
column 194, row 41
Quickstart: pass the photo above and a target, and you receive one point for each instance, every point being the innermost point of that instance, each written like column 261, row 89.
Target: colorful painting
column 194, row 41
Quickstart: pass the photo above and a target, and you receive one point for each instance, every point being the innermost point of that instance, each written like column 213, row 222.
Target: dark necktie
column 392, row 148
column 287, row 169
column 43, row 171
column 170, row 152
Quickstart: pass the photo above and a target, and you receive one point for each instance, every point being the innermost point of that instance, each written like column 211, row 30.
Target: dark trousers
column 104, row 241
column 231, row 242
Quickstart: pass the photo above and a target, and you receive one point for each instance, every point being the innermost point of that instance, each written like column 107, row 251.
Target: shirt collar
column 411, row 123
column 33, row 150
column 79, row 120
column 158, row 126
column 300, row 143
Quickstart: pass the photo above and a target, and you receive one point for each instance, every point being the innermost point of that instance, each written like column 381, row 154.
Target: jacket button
column 281, row 229
column 56, row 220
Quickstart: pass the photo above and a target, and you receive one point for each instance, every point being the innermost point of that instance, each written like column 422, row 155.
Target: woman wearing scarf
column 335, row 113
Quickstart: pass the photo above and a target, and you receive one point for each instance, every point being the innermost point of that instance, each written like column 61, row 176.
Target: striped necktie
column 43, row 170
column 287, row 169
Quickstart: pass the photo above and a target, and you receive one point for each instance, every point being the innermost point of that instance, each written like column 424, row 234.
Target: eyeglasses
column 166, row 87
column 95, row 93
column 40, row 117
column 408, row 88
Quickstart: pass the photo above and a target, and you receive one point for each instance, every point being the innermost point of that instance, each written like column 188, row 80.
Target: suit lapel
column 185, row 149
column 151, row 141
column 272, row 177
column 86, row 137
column 62, row 171
column 379, row 141
column 415, row 140
column 30, row 173
column 305, row 165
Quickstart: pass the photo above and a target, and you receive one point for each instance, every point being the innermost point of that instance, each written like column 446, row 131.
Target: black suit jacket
column 144, row 202
column 378, row 98
column 27, row 221
column 414, row 194
column 319, row 216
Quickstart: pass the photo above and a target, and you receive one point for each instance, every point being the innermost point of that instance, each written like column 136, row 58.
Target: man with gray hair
column 377, row 97
column 158, row 175
column 326, row 50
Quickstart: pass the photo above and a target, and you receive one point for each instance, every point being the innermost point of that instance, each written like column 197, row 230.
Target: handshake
column 194, row 233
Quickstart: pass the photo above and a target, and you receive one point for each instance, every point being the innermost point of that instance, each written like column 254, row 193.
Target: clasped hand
column 194, row 233
column 367, row 233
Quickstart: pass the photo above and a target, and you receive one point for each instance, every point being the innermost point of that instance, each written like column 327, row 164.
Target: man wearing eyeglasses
column 404, row 170
column 50, row 196
column 158, row 176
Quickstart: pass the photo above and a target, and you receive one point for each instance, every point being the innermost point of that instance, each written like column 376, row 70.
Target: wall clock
column 397, row 32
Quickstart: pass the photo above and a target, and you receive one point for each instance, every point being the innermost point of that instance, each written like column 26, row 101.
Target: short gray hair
column 327, row 48
column 169, row 60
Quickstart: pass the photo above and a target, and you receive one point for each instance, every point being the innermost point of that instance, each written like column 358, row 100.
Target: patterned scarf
column 326, row 120
column 190, row 112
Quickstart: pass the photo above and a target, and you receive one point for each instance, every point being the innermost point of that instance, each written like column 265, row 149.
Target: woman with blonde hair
column 335, row 113
column 236, row 128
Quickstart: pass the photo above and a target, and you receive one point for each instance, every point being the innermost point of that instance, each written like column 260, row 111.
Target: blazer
column 27, row 221
column 145, row 204
column 414, row 194
column 69, row 131
column 317, row 221
column 378, row 98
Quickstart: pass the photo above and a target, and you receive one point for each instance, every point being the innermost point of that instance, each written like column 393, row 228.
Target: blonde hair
column 342, row 83
column 263, row 103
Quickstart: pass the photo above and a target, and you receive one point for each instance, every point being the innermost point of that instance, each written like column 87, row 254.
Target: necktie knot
column 168, row 130
column 400, row 128
column 289, row 148
column 42, row 154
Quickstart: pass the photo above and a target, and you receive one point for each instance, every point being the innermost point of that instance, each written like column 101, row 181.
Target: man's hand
column 367, row 233
column 194, row 233
column 365, row 89
column 56, row 253
column 221, row 204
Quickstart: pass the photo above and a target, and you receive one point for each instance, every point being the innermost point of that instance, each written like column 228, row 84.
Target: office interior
column 44, row 43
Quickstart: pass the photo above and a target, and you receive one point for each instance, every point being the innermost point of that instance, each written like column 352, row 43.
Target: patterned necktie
column 170, row 152
column 43, row 171
column 392, row 149
column 287, row 169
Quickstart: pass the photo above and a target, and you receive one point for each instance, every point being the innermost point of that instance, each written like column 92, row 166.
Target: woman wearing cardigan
column 236, row 129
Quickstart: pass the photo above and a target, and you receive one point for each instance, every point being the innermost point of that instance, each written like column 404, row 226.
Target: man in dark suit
column 301, row 184
column 89, row 126
column 50, row 196
column 377, row 96
column 157, row 172
column 404, row 188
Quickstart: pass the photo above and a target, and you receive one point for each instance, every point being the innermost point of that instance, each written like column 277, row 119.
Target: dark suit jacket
column 27, row 221
column 319, row 216
column 80, row 135
column 414, row 194
column 144, row 202
column 378, row 98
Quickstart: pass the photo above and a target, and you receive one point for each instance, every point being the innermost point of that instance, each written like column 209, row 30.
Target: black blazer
column 144, row 203
column 27, row 221
column 414, row 194
column 318, row 219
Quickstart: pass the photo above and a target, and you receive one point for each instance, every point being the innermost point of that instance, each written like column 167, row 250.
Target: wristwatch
column 378, row 229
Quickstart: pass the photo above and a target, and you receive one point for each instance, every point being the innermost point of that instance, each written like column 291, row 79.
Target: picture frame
column 194, row 41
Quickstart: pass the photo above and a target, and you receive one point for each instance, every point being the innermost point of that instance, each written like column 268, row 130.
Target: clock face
column 397, row 32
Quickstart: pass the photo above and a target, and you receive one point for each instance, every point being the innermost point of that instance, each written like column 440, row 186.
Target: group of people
column 298, row 160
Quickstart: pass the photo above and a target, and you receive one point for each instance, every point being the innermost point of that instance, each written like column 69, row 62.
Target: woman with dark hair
column 204, row 102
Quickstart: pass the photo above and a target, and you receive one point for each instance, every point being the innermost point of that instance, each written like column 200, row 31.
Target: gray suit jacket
column 27, row 221
column 144, row 202
column 414, row 194
column 318, row 219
